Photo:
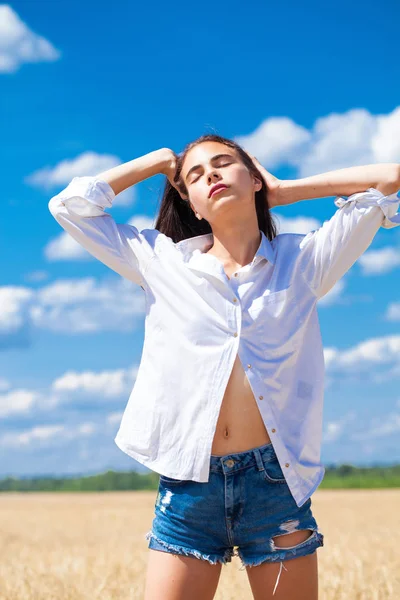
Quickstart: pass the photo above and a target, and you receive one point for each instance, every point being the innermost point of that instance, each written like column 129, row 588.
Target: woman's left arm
column 328, row 252
column 384, row 177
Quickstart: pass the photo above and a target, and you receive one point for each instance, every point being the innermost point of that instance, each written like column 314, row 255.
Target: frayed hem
column 189, row 551
column 314, row 541
column 286, row 554
column 259, row 562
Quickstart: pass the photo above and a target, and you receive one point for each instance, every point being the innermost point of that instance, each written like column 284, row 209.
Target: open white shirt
column 198, row 320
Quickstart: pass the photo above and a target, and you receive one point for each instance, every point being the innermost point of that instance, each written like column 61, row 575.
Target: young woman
column 227, row 404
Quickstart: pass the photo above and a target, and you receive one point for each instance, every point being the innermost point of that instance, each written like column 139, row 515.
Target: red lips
column 216, row 187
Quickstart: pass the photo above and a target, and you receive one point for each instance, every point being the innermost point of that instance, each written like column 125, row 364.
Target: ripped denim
column 243, row 510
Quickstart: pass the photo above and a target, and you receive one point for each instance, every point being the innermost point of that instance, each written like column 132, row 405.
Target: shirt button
column 249, row 366
column 235, row 299
column 235, row 274
column 235, row 334
column 261, row 397
column 286, row 464
column 273, row 430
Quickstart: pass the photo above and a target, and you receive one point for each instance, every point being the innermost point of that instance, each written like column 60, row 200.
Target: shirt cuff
column 372, row 197
column 87, row 196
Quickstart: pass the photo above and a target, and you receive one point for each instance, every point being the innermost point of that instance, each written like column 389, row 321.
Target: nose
column 213, row 175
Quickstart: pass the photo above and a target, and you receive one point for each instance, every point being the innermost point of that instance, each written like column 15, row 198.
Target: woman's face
column 212, row 162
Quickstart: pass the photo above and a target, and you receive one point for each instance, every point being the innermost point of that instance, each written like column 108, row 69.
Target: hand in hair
column 272, row 182
column 170, row 170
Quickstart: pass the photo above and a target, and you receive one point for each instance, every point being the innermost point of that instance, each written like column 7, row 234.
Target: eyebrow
column 213, row 159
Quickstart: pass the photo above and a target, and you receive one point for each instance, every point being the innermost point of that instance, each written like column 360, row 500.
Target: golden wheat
column 75, row 546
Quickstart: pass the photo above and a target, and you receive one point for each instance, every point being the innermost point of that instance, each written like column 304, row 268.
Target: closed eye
column 223, row 165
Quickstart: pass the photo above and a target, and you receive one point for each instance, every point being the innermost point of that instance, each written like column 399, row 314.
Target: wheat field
column 74, row 546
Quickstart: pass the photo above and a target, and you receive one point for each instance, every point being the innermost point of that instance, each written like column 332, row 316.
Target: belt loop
column 259, row 459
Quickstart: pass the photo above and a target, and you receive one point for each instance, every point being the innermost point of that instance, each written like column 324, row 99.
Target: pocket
column 272, row 303
column 273, row 471
column 170, row 480
column 275, row 320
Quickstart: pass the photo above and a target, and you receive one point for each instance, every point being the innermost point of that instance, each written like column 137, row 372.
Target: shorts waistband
column 240, row 460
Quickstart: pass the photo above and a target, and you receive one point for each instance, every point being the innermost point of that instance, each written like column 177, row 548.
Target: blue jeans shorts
column 245, row 503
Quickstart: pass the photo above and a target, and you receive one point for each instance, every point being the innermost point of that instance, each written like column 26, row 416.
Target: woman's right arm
column 80, row 210
column 124, row 176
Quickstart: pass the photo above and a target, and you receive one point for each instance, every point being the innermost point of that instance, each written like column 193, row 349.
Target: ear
column 257, row 184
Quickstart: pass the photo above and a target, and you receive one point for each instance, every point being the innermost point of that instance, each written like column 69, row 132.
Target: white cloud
column 46, row 434
column 14, row 302
column 142, row 222
column 86, row 305
column 335, row 295
column 335, row 429
column 19, row 401
column 338, row 140
column 70, row 387
column 103, row 385
column 19, row 44
column 386, row 141
column 65, row 247
column 379, row 358
column 114, row 417
column 88, row 163
column 295, row 224
column 85, row 429
column 276, row 141
column 71, row 306
column 335, row 141
column 36, row 276
column 107, row 384
column 379, row 262
column 24, row 438
column 393, row 312
column 381, row 426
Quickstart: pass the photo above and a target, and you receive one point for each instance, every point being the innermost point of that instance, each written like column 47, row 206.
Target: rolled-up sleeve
column 327, row 253
column 80, row 210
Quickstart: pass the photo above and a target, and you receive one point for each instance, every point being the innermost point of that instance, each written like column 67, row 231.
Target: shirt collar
column 205, row 241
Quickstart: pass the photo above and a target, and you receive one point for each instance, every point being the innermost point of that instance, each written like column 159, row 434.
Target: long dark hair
column 177, row 220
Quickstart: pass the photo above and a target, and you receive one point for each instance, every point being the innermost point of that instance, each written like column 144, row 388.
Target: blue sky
column 305, row 88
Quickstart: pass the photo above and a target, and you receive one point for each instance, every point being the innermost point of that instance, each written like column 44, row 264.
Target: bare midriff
column 240, row 425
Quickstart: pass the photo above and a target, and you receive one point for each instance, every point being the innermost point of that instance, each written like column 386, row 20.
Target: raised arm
column 80, row 210
column 327, row 253
column 383, row 177
column 124, row 176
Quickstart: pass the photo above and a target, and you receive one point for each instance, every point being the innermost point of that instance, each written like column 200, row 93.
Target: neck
column 235, row 245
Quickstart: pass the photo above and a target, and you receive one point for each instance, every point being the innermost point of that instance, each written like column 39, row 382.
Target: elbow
column 54, row 205
column 398, row 177
column 391, row 184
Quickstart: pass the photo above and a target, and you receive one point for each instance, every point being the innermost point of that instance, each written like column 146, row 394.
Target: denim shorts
column 245, row 503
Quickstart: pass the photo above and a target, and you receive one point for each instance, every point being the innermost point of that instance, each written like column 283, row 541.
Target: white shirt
column 198, row 320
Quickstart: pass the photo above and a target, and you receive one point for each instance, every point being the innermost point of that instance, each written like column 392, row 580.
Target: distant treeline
column 343, row 476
